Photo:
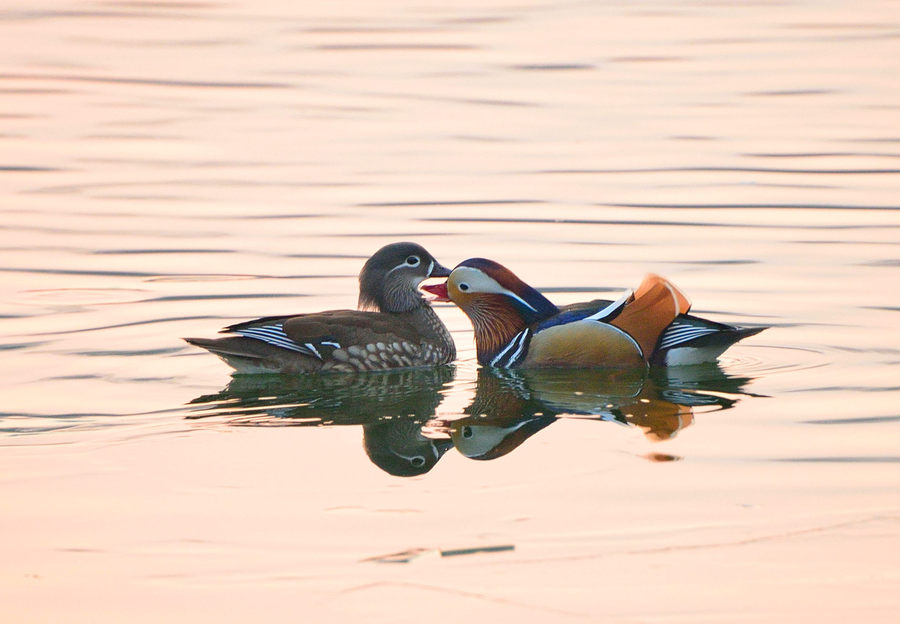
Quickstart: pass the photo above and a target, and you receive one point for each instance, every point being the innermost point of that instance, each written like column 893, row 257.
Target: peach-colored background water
column 169, row 167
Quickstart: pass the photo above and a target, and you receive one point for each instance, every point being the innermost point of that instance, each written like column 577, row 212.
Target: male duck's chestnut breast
column 583, row 343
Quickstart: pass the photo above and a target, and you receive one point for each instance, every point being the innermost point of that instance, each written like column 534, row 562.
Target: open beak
column 438, row 290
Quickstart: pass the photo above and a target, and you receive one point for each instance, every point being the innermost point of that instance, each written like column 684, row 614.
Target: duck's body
column 517, row 327
column 687, row 340
column 394, row 327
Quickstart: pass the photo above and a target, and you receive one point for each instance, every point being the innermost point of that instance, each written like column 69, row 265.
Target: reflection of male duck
column 391, row 406
column 512, row 405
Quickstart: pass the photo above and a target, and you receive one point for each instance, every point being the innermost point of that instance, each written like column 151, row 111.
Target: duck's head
column 480, row 439
column 390, row 279
column 498, row 303
column 398, row 447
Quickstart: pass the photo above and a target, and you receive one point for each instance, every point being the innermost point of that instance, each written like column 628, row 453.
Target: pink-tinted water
column 167, row 168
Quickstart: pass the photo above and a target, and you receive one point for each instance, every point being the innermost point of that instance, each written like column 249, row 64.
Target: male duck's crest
column 482, row 277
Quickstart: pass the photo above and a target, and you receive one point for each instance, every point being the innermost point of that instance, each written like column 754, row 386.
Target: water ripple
column 680, row 206
column 820, row 155
column 402, row 47
column 763, row 360
column 553, row 67
column 121, row 252
column 470, row 202
column 847, row 459
column 152, row 321
column 217, row 297
column 863, row 420
column 156, row 82
column 712, row 169
column 27, row 168
column 644, row 222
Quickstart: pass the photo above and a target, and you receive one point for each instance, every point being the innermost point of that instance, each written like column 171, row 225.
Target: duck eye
column 413, row 261
column 418, row 461
column 463, row 286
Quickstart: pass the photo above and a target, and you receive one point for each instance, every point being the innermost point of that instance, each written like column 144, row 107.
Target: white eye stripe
column 478, row 281
column 405, row 264
column 509, row 293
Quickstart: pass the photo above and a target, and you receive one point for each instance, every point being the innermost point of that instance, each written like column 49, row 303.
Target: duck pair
column 515, row 326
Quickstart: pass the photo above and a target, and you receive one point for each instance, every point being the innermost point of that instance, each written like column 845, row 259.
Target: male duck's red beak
column 438, row 290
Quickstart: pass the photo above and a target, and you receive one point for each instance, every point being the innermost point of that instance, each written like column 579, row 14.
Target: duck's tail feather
column 693, row 340
column 245, row 355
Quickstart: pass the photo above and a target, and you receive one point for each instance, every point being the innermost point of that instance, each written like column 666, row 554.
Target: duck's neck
column 424, row 318
column 495, row 326
column 397, row 300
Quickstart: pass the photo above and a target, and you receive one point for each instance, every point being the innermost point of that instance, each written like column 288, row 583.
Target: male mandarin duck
column 516, row 326
column 394, row 327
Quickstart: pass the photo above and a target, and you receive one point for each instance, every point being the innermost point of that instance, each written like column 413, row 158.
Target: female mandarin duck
column 394, row 327
column 516, row 326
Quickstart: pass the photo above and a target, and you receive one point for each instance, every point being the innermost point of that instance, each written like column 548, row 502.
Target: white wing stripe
column 678, row 333
column 613, row 307
column 681, row 336
column 502, row 353
column 697, row 330
column 274, row 335
column 517, row 341
column 515, row 356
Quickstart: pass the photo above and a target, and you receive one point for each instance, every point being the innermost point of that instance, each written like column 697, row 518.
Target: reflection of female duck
column 391, row 406
column 510, row 406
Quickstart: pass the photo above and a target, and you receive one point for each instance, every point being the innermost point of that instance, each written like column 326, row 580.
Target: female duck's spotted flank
column 516, row 326
column 394, row 327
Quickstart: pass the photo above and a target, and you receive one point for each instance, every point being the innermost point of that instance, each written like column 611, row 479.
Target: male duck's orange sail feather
column 657, row 302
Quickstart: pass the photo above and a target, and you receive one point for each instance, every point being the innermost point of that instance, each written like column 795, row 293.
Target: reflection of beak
column 438, row 290
column 439, row 270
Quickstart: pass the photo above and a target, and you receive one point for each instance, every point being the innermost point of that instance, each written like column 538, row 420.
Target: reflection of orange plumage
column 657, row 302
column 659, row 419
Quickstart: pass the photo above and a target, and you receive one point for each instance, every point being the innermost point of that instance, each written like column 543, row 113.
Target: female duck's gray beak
column 439, row 270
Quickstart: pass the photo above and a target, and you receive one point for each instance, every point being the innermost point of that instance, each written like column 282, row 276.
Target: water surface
column 169, row 168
